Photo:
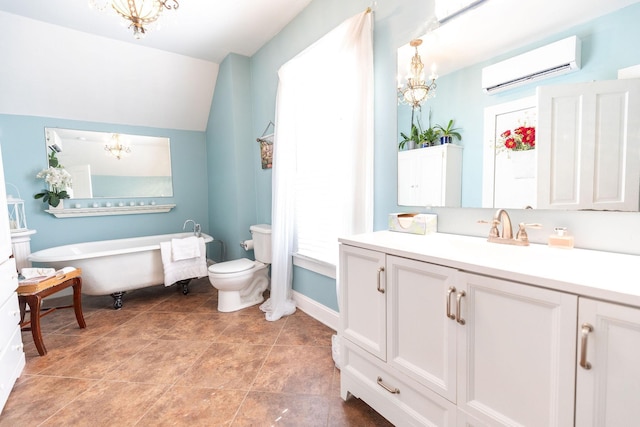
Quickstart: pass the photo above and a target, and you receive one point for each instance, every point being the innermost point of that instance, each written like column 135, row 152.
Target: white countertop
column 601, row 275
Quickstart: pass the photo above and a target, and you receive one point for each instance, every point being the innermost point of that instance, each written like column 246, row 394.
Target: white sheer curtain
column 324, row 101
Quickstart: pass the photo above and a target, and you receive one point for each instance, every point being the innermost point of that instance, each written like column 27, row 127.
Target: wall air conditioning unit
column 54, row 143
column 554, row 59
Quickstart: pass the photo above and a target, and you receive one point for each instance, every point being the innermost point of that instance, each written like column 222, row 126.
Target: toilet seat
column 235, row 266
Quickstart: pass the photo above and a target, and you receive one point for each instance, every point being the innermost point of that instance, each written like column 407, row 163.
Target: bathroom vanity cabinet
column 12, row 359
column 430, row 338
column 430, row 176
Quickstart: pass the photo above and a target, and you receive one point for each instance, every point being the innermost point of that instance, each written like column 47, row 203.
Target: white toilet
column 241, row 282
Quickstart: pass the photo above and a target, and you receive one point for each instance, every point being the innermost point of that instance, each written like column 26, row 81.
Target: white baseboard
column 316, row 310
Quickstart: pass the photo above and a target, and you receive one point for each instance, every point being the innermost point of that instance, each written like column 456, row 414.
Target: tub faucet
column 197, row 230
column 184, row 226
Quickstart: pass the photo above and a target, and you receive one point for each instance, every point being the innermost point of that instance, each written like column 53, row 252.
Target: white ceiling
column 204, row 29
column 63, row 59
column 497, row 27
column 211, row 29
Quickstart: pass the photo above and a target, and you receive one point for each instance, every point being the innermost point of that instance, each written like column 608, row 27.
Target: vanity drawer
column 9, row 317
column 12, row 363
column 8, row 279
column 398, row 398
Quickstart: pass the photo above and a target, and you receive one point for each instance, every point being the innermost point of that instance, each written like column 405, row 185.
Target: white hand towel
column 186, row 248
column 175, row 271
column 30, row 273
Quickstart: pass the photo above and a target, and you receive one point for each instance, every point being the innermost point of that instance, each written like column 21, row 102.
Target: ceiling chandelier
column 139, row 13
column 416, row 90
column 117, row 148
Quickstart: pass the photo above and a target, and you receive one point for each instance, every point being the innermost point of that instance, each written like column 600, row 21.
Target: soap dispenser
column 561, row 239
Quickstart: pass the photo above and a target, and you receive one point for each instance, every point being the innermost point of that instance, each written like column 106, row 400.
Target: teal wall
column 24, row 155
column 218, row 180
column 233, row 157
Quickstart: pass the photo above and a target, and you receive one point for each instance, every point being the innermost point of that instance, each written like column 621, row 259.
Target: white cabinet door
column 409, row 179
column 608, row 392
column 363, row 303
column 516, row 353
column 588, row 143
column 430, row 176
column 421, row 339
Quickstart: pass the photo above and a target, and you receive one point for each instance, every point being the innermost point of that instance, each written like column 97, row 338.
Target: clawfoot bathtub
column 112, row 267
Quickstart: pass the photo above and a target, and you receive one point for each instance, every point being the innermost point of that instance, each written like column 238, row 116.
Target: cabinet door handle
column 586, row 329
column 451, row 290
column 392, row 390
column 459, row 319
column 380, row 271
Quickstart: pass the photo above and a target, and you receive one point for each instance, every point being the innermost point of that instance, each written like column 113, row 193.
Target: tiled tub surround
column 172, row 359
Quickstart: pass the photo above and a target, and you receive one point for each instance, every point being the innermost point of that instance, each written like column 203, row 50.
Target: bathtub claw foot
column 185, row 286
column 117, row 300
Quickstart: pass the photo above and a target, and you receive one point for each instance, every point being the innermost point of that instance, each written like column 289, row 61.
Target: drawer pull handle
column 392, row 390
column 459, row 319
column 586, row 329
column 450, row 315
column 380, row 271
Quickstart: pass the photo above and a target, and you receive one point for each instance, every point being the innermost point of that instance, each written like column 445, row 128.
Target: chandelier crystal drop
column 139, row 13
column 416, row 90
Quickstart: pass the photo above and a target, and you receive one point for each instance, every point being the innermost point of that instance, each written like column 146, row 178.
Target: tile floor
column 167, row 359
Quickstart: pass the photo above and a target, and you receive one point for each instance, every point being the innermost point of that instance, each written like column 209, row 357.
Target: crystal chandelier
column 116, row 148
column 416, row 90
column 140, row 13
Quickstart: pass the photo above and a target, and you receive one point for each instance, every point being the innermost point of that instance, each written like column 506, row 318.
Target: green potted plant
column 412, row 140
column 430, row 137
column 448, row 133
column 53, row 160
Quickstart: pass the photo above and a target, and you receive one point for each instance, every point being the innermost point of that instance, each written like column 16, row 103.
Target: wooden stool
column 33, row 294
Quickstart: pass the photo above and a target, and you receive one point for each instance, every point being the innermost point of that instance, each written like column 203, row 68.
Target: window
column 324, row 122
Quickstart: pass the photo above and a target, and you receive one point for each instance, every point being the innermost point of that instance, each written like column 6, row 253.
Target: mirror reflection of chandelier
column 117, row 148
column 139, row 13
column 416, row 90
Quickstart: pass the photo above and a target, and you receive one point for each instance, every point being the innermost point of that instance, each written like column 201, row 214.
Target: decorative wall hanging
column 266, row 146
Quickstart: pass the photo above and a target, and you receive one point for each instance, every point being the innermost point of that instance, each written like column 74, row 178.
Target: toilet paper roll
column 247, row 245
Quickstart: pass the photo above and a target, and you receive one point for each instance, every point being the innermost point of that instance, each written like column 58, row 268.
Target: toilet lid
column 234, row 266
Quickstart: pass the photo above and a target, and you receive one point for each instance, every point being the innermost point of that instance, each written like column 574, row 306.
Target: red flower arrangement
column 521, row 139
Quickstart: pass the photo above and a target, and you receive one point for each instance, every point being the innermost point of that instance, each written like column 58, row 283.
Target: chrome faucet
column 501, row 217
column 197, row 230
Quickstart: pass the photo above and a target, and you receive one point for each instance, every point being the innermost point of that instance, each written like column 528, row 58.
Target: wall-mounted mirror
column 462, row 47
column 112, row 165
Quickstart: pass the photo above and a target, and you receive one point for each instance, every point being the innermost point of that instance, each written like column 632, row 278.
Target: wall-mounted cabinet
column 430, row 176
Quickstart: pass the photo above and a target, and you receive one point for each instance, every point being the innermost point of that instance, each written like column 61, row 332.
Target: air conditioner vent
column 557, row 58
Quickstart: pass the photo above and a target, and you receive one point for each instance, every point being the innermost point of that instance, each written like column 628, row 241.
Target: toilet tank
column 261, row 235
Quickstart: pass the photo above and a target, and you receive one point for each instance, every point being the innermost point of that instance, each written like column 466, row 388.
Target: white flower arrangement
column 59, row 180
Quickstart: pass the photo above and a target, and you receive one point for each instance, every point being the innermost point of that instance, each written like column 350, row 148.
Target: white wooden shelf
column 112, row 210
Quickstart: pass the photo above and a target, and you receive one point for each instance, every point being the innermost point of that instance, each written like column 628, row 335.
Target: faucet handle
column 493, row 231
column 522, row 232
